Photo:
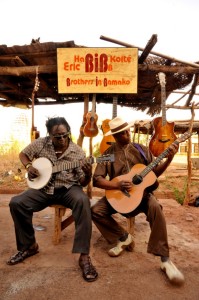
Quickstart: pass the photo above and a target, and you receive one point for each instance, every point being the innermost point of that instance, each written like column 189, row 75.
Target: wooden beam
column 181, row 107
column 42, row 69
column 149, row 46
column 152, row 52
column 21, row 71
column 168, row 69
column 183, row 92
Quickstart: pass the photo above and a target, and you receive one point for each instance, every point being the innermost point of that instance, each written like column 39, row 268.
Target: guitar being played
column 72, row 173
column 126, row 183
column 46, row 169
column 141, row 177
column 163, row 134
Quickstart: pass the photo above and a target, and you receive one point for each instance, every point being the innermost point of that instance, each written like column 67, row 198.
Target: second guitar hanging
column 90, row 128
column 163, row 134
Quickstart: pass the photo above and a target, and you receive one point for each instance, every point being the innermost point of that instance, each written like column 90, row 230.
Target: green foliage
column 179, row 195
column 96, row 150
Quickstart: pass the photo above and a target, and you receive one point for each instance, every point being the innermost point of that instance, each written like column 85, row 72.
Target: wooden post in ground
column 189, row 163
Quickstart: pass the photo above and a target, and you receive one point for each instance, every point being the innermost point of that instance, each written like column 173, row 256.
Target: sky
column 174, row 21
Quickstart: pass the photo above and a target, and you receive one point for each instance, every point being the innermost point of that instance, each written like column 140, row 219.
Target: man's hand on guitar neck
column 87, row 168
column 172, row 150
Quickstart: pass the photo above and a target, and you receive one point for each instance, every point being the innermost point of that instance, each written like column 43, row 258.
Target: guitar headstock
column 108, row 158
column 162, row 79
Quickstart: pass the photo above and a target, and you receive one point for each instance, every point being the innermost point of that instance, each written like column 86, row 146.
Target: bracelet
column 28, row 165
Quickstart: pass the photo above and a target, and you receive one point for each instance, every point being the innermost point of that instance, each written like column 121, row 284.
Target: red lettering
column 89, row 63
column 96, row 63
column 67, row 81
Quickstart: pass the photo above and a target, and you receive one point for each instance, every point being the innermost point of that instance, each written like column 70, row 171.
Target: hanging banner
column 97, row 70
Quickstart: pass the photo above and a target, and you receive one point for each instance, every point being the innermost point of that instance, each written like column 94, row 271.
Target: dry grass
column 12, row 173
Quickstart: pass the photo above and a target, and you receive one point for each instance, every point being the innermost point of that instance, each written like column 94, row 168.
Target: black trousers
column 22, row 207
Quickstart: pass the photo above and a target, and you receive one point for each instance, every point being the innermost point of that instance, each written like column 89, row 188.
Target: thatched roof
column 18, row 68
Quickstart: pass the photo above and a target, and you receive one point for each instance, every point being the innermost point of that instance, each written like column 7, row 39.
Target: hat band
column 119, row 127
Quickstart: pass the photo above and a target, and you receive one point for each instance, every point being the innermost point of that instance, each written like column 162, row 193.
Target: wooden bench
column 130, row 225
column 61, row 221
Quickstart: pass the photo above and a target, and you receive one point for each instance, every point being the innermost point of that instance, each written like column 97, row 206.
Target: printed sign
column 97, row 70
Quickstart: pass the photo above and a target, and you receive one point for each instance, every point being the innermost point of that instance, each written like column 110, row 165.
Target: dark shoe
column 21, row 255
column 89, row 272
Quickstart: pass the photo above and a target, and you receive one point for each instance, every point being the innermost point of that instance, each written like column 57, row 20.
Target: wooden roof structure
column 18, row 65
column 180, row 126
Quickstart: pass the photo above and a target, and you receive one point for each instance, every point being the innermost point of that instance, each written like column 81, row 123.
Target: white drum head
column 44, row 166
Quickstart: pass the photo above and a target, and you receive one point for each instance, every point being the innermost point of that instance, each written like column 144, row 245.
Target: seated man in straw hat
column 128, row 156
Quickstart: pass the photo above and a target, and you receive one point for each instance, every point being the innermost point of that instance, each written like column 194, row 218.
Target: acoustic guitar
column 163, row 134
column 142, row 178
column 107, row 141
column 47, row 169
column 90, row 128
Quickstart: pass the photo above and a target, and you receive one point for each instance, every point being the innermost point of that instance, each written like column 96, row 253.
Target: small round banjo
column 47, row 169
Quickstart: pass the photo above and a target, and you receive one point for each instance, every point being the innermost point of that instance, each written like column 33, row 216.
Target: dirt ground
column 54, row 273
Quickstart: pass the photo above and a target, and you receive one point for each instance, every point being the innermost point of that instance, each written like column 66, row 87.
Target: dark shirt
column 124, row 160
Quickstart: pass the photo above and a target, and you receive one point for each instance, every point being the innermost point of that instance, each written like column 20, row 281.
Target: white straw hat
column 117, row 125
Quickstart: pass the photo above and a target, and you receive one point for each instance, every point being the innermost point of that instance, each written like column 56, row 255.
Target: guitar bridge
column 126, row 193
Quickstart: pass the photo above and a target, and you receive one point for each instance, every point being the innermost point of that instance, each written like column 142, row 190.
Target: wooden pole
column 81, row 133
column 189, row 164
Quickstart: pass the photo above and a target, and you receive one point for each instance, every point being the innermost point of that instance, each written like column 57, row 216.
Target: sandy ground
column 54, row 273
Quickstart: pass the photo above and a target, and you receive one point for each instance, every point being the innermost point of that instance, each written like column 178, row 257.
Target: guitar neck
column 163, row 155
column 162, row 81
column 93, row 105
column 69, row 165
column 114, row 107
column 163, row 96
column 75, row 164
